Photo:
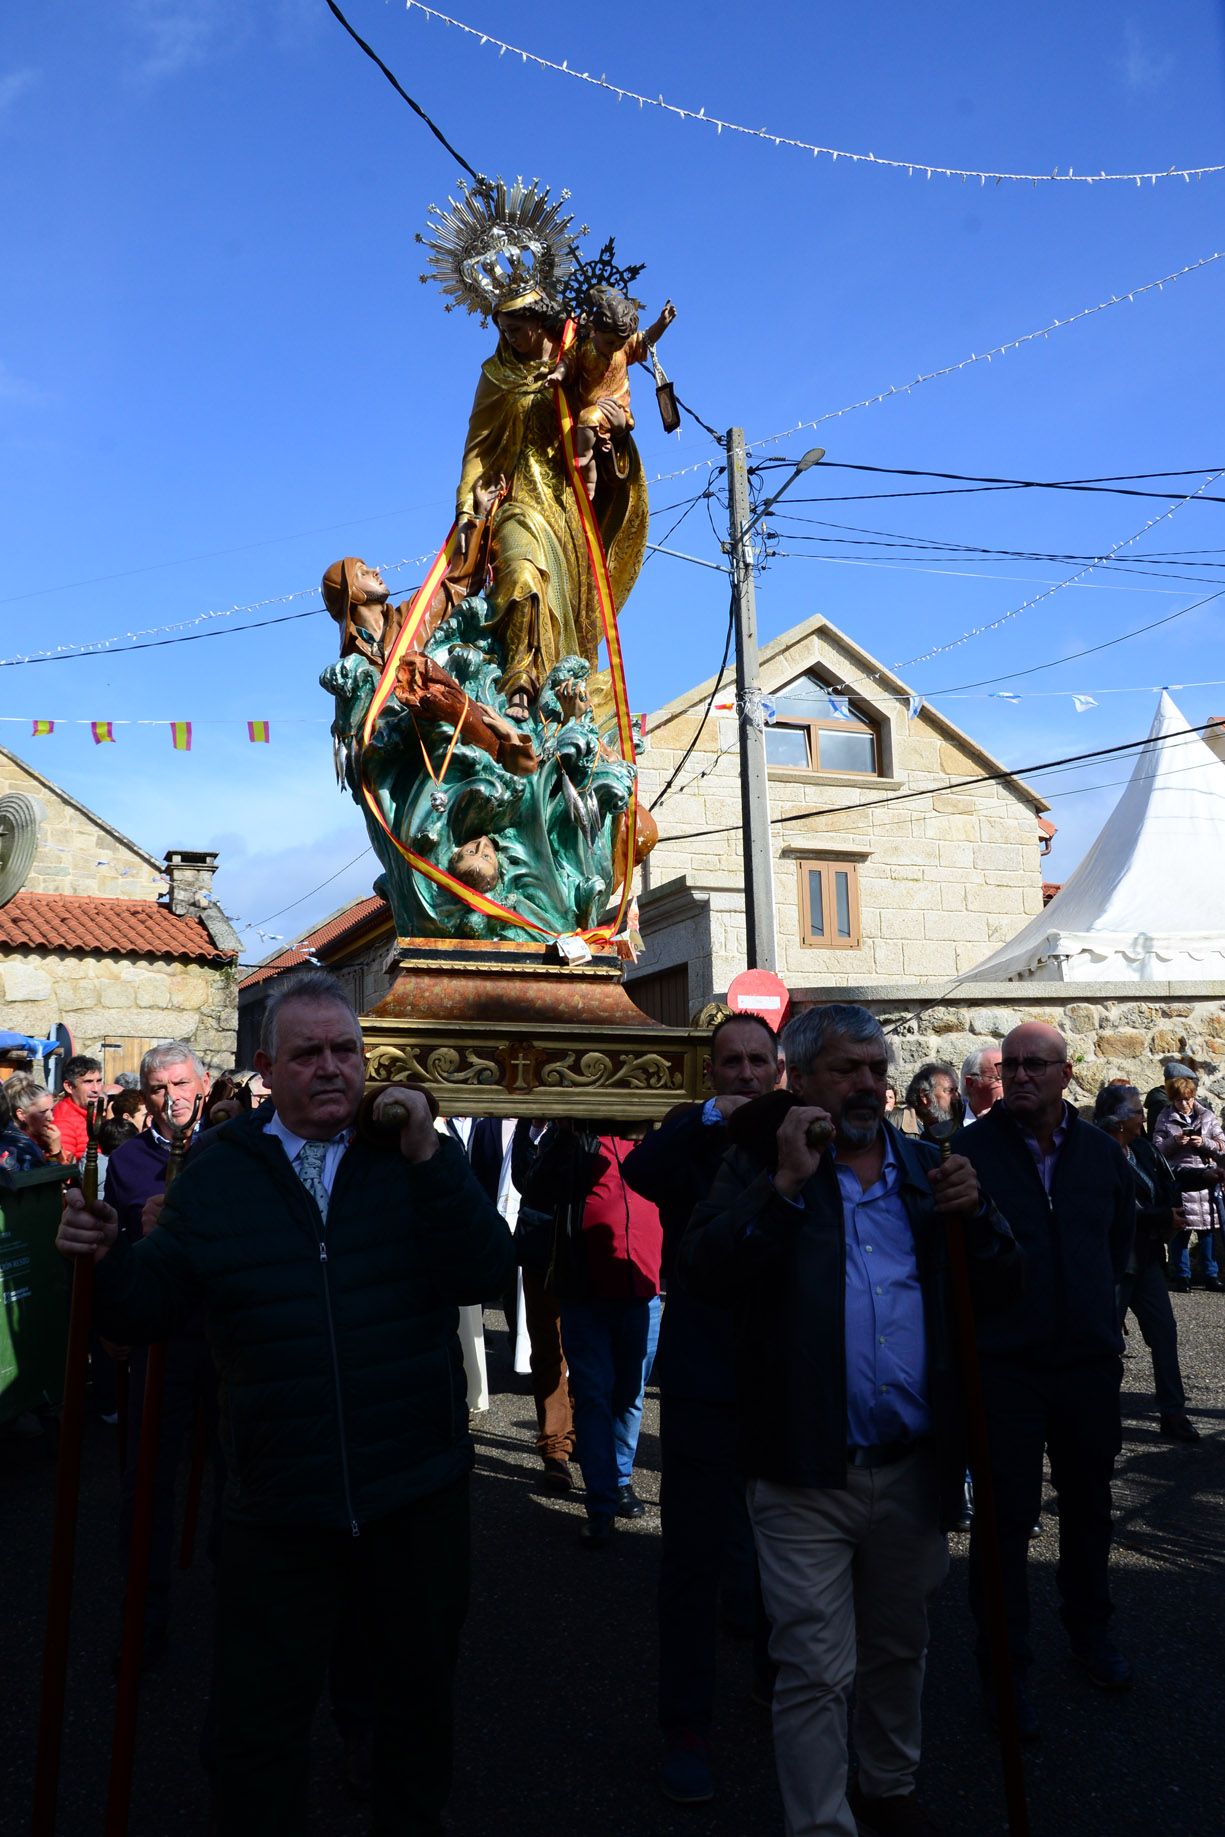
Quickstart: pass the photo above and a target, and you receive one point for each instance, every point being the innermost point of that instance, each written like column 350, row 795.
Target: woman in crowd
column 1119, row 1110
column 1190, row 1137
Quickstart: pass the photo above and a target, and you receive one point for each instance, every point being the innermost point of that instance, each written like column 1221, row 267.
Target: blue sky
column 218, row 369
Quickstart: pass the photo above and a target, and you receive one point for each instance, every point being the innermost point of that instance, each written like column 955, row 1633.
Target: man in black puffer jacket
column 1052, row 1364
column 331, row 1266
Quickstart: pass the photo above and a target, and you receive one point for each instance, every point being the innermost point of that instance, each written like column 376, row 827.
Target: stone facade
column 131, row 1002
column 1113, row 1029
column 115, row 1001
column 77, row 851
column 941, row 880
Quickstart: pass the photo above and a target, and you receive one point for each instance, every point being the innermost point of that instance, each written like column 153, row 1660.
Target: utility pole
column 754, row 785
column 754, row 788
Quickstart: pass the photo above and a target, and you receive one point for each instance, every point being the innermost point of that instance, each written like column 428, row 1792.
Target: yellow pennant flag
column 180, row 736
column 102, row 731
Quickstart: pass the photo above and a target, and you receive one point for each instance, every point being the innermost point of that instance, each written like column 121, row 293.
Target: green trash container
column 34, row 1291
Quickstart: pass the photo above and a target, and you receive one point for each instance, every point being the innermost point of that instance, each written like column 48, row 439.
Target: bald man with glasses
column 1052, row 1362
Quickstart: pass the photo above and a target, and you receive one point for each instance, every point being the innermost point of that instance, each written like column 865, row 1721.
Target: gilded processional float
column 490, row 749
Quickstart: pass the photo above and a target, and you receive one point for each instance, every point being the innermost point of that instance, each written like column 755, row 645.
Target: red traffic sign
column 760, row 992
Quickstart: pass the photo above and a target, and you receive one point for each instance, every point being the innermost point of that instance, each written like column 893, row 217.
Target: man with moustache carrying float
column 824, row 1231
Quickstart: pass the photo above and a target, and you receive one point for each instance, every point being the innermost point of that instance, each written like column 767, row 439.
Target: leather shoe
column 556, row 1477
column 1105, row 1664
column 595, row 1532
column 902, row 1816
column 1179, row 1428
column 685, row 1775
column 1029, row 1728
column 1181, row 1285
column 629, row 1505
column 1214, row 1284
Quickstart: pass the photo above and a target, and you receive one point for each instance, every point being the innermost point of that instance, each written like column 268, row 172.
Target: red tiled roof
column 1049, row 890
column 104, row 927
column 1047, row 828
column 334, row 930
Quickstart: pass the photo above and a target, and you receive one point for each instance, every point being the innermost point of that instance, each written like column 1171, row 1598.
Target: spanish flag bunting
column 259, row 733
column 180, row 736
column 43, row 727
column 102, row 731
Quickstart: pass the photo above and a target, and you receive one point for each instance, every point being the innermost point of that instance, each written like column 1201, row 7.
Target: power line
column 727, row 651
column 305, row 896
column 1107, row 486
column 957, row 784
column 416, row 107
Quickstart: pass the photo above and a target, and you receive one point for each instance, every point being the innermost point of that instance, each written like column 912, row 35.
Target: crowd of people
column 779, row 1258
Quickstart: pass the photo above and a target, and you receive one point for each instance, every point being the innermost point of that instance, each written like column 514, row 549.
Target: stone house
column 872, row 883
column 99, row 937
column 353, row 943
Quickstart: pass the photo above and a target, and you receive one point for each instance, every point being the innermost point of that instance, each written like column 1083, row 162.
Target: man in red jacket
column 82, row 1084
column 607, row 1247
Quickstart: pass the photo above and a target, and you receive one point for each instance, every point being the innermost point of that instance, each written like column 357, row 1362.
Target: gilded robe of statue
column 543, row 592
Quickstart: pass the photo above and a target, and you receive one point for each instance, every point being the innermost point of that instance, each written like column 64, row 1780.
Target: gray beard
column 859, row 1134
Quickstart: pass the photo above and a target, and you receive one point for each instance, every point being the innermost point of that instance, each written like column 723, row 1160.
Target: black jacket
column 783, row 1273
column 1076, row 1243
column 342, row 1389
column 675, row 1167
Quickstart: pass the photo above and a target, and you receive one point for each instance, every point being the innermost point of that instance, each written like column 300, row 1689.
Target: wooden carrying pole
column 64, row 1528
column 986, row 1527
column 131, row 1651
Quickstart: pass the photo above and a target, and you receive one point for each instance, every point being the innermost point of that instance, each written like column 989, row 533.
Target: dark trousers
column 1072, row 1414
column 706, row 1543
column 282, row 1588
column 191, row 1384
column 1147, row 1294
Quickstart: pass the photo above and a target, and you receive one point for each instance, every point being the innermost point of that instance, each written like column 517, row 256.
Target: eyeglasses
column 1032, row 1066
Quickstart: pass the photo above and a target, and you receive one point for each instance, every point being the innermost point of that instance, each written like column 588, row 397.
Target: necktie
column 309, row 1168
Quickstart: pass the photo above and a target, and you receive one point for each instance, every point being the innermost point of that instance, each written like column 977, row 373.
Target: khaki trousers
column 846, row 1577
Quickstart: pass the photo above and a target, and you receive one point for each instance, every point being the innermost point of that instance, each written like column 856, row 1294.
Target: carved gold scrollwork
column 643, row 1071
column 388, row 1064
column 446, row 1066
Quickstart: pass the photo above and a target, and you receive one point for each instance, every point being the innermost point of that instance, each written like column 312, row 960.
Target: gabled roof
column 343, row 927
column 884, row 682
column 65, row 797
column 105, row 928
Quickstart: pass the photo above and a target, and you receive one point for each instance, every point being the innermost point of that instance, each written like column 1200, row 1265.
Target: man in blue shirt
column 827, row 1234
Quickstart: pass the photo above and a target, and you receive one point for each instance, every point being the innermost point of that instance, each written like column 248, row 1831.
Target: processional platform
column 502, row 1028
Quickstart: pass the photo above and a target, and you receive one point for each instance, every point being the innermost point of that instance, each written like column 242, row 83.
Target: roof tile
column 104, row 927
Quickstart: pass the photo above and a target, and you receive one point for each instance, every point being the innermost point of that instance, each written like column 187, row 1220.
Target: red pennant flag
column 102, row 731
column 180, row 736
column 259, row 733
column 43, row 727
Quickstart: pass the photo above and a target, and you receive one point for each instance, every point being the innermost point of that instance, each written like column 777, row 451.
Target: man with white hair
column 1052, row 1362
column 981, row 1084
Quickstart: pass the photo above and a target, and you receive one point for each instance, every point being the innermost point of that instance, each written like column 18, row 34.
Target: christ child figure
column 596, row 369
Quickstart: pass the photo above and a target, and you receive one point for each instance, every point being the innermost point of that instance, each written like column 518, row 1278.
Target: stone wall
column 135, row 1001
column 77, row 852
column 1119, row 1029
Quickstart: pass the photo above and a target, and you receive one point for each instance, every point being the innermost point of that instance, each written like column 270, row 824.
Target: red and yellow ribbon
column 411, row 636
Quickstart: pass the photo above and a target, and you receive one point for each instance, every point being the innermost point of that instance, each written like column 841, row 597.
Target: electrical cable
column 254, row 926
column 727, row 651
column 157, row 644
column 416, row 107
column 957, row 784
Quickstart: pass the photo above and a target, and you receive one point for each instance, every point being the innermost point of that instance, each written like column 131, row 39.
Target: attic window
column 808, row 733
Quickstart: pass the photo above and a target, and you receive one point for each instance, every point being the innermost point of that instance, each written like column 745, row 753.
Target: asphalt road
column 556, row 1693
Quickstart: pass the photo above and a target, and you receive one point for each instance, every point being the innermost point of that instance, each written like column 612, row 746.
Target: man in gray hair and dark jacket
column 331, row 1259
column 825, row 1231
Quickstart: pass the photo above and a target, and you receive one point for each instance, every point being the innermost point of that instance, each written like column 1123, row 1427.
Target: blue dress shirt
column 886, row 1343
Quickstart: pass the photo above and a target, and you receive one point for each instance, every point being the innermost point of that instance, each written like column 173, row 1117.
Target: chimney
column 190, row 876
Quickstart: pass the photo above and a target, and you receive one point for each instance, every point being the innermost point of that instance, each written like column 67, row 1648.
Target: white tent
column 1147, row 903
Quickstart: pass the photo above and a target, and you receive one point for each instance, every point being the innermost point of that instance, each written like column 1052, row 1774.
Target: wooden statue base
column 505, row 1029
